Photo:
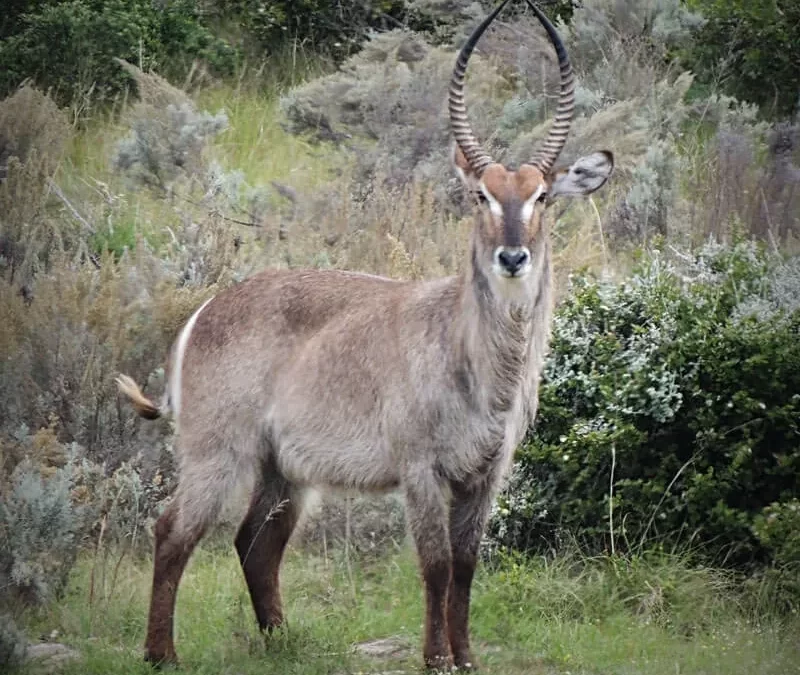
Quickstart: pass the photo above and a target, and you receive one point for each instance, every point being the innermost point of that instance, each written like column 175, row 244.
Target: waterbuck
column 302, row 379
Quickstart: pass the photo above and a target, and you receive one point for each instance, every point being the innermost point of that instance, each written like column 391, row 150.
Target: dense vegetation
column 670, row 414
column 69, row 45
column 162, row 151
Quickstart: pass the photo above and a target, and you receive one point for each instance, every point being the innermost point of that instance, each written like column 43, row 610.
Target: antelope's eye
column 542, row 196
column 481, row 197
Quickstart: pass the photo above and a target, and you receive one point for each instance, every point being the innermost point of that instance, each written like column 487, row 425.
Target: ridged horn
column 547, row 155
column 459, row 122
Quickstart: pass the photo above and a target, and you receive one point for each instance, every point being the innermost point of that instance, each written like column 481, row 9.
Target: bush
column 747, row 43
column 778, row 529
column 68, row 47
column 165, row 140
column 12, row 643
column 68, row 324
column 386, row 103
column 684, row 379
column 337, row 29
column 33, row 135
column 38, row 533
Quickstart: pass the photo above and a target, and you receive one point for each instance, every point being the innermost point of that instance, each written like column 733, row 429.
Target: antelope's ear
column 464, row 170
column 586, row 175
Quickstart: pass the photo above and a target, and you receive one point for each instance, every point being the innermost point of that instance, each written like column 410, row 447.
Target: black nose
column 512, row 260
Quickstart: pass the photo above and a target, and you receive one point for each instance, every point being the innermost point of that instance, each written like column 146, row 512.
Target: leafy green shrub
column 68, row 47
column 336, row 28
column 750, row 46
column 778, row 528
column 679, row 388
column 38, row 530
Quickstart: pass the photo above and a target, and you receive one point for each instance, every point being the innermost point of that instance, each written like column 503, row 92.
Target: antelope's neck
column 494, row 342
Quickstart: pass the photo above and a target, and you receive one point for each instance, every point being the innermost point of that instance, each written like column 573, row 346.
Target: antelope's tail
column 143, row 405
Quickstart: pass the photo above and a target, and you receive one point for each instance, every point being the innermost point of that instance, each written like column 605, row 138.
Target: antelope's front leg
column 469, row 511
column 427, row 514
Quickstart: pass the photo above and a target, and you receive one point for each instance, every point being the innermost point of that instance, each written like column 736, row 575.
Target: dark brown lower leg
column 469, row 511
column 173, row 547
column 436, row 650
column 260, row 543
column 458, row 611
column 426, row 511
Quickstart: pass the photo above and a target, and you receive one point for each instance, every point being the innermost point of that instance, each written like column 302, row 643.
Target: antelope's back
column 315, row 363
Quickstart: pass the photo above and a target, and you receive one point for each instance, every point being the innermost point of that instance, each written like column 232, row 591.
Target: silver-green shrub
column 39, row 530
column 12, row 643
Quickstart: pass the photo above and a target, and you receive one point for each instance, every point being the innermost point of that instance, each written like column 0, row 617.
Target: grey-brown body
column 358, row 382
column 300, row 379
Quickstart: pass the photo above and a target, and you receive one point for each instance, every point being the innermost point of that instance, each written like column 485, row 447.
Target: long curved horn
column 476, row 156
column 551, row 148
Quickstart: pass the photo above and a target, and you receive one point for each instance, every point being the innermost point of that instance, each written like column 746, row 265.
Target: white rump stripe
column 180, row 349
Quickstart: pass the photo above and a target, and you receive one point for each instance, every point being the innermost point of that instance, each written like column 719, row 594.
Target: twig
column 347, row 536
column 94, row 562
column 215, row 212
column 769, row 222
column 663, row 497
column 611, row 497
column 110, row 591
column 602, row 237
column 71, row 208
column 272, row 512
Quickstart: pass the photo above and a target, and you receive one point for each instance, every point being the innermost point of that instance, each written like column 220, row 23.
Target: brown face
column 513, row 205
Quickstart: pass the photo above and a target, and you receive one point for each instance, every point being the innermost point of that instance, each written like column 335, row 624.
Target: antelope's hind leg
column 177, row 534
column 203, row 487
column 275, row 508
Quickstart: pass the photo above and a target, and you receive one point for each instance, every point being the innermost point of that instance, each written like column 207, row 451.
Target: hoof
column 465, row 663
column 159, row 661
column 439, row 664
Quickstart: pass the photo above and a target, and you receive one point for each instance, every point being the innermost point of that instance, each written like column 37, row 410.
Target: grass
column 254, row 144
column 257, row 145
column 602, row 616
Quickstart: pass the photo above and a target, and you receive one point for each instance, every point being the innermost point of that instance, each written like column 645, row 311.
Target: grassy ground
column 592, row 617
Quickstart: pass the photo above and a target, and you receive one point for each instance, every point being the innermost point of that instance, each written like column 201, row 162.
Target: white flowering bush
column 669, row 413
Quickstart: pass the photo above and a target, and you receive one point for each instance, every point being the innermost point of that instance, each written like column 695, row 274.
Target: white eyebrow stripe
column 530, row 204
column 495, row 206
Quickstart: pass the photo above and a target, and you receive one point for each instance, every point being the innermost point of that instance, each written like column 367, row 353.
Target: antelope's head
column 512, row 202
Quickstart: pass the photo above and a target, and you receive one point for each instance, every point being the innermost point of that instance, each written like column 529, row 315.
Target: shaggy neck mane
column 493, row 337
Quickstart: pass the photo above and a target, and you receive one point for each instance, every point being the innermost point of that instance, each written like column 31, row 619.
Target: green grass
column 257, row 145
column 653, row 617
column 254, row 144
